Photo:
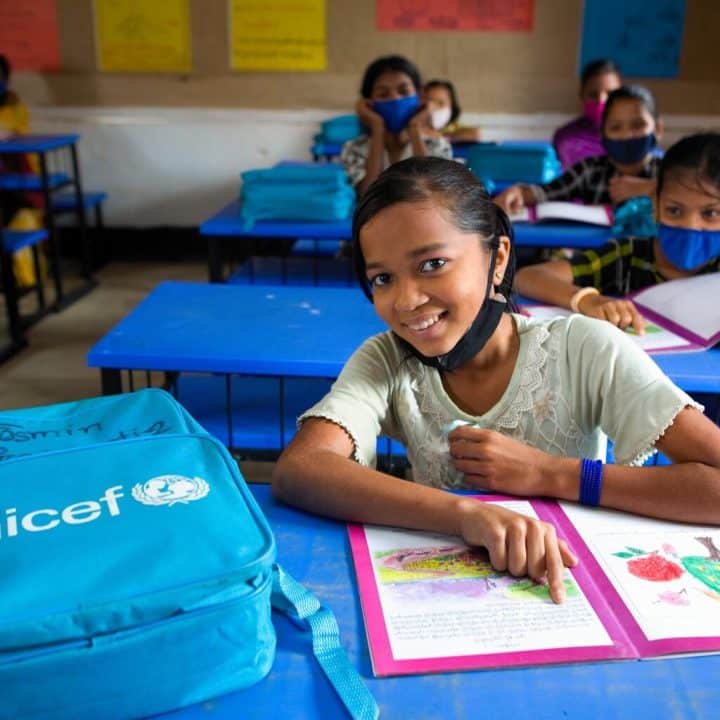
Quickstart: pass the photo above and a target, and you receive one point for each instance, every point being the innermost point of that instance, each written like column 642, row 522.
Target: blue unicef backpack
column 127, row 536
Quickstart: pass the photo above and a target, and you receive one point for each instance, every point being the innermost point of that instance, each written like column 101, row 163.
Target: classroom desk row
column 226, row 230
column 59, row 171
column 316, row 552
column 277, row 349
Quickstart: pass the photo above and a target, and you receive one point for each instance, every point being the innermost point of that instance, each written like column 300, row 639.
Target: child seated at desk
column 687, row 243
column 630, row 129
column 397, row 125
column 441, row 99
column 582, row 137
column 485, row 398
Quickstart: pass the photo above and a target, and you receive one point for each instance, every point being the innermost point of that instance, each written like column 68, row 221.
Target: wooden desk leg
column 215, row 260
column 111, row 381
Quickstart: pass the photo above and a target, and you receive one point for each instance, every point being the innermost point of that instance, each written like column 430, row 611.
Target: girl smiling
column 534, row 399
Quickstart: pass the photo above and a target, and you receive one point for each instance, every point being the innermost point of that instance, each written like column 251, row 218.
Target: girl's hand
column 511, row 200
column 616, row 311
column 624, row 187
column 493, row 461
column 420, row 120
column 368, row 117
column 518, row 544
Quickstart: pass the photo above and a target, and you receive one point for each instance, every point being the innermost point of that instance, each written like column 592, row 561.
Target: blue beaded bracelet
column 590, row 481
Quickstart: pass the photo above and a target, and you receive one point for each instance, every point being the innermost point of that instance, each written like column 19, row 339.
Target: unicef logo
column 170, row 489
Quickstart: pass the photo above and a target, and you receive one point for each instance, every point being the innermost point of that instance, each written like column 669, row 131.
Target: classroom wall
column 169, row 148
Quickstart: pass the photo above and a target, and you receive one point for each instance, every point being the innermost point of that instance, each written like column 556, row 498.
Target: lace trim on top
column 336, row 420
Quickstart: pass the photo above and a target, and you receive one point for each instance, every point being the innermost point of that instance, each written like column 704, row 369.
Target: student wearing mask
column 630, row 131
column 441, row 99
column 594, row 282
column 582, row 137
column 397, row 126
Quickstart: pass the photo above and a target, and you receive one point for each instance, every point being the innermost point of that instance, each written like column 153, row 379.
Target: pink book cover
column 380, row 577
column 684, row 341
column 431, row 604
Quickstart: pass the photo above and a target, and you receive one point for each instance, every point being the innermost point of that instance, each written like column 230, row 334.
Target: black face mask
column 474, row 340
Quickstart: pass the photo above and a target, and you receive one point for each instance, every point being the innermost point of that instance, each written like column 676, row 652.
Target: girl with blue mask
column 485, row 398
column 687, row 243
column 397, row 125
column 631, row 129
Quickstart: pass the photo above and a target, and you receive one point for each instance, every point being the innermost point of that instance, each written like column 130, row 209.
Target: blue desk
column 284, row 334
column 57, row 170
column 315, row 551
column 227, row 224
column 558, row 235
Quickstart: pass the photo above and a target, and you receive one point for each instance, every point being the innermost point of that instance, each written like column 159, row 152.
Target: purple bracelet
column 590, row 481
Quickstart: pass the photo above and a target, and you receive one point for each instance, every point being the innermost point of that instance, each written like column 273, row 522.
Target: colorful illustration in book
column 455, row 570
column 666, row 565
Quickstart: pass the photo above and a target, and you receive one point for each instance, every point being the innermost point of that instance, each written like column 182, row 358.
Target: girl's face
column 428, row 278
column 683, row 202
column 393, row 85
column 438, row 98
column 628, row 118
column 598, row 87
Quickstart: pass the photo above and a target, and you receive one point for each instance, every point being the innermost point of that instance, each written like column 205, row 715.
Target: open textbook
column 558, row 210
column 680, row 315
column 643, row 588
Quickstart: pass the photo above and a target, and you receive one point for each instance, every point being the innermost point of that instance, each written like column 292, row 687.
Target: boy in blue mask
column 687, row 243
column 397, row 126
column 630, row 131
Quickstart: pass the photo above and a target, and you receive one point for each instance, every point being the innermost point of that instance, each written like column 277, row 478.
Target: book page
column 558, row 210
column 690, row 303
column 656, row 339
column 667, row 574
column 441, row 606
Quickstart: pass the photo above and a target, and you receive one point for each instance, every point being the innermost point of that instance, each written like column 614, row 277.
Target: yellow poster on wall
column 141, row 36
column 283, row 35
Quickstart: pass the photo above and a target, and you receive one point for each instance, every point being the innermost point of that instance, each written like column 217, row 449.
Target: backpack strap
column 293, row 600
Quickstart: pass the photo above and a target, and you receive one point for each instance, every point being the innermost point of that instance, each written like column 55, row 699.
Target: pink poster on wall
column 452, row 15
column 29, row 34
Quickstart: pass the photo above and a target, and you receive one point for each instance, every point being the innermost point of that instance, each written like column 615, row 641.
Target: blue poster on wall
column 644, row 38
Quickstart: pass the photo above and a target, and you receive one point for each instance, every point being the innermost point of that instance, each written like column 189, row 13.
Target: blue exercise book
column 339, row 129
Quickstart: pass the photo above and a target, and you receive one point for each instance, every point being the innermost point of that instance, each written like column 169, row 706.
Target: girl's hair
column 447, row 85
column 698, row 154
column 594, row 68
column 631, row 92
column 4, row 67
column 451, row 184
column 388, row 63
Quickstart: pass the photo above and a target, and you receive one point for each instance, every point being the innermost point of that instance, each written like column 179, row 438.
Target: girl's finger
column 555, row 567
column 536, row 565
column 517, row 548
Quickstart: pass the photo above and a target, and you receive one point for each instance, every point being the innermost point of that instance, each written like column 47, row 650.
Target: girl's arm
column 552, row 282
column 315, row 472
column 687, row 491
column 515, row 198
column 416, row 127
column 376, row 150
